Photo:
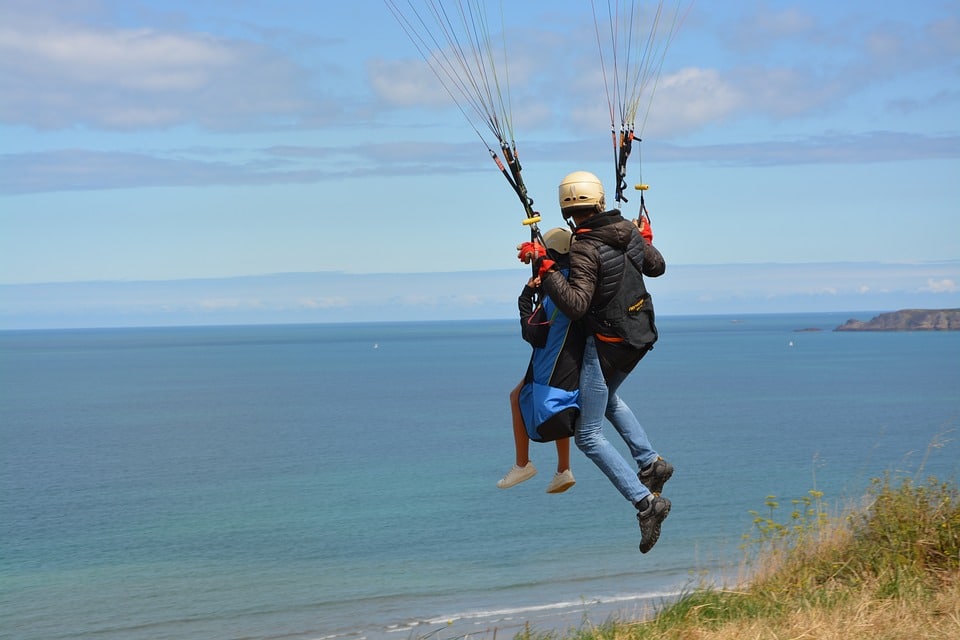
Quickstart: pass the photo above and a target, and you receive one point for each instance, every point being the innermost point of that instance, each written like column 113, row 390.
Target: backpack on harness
column 625, row 322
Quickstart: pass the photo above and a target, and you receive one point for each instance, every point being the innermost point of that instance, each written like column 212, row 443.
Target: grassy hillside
column 887, row 570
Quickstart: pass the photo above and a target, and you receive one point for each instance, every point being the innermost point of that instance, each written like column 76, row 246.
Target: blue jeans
column 598, row 399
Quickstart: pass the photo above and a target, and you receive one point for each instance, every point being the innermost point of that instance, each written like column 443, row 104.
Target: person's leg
column 589, row 437
column 563, row 479
column 563, row 454
column 523, row 469
column 521, row 443
column 653, row 470
column 623, row 419
column 652, row 509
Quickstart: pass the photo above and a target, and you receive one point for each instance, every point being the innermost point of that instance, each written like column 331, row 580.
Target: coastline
column 908, row 320
column 550, row 617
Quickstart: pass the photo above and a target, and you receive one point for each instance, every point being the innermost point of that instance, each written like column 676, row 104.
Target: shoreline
column 559, row 617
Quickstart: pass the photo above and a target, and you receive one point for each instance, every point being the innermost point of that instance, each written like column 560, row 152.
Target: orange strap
column 610, row 339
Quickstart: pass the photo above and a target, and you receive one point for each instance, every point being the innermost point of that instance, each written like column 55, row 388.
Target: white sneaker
column 516, row 475
column 561, row 482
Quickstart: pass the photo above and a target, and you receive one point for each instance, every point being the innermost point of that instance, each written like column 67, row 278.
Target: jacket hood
column 609, row 227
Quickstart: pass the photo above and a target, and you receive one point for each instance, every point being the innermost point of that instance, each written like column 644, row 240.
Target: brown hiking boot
column 656, row 474
column 651, row 512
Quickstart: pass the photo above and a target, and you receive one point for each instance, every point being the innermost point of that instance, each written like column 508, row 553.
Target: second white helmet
column 558, row 240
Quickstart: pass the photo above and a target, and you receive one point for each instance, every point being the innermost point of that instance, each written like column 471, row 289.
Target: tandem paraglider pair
column 600, row 292
column 587, row 304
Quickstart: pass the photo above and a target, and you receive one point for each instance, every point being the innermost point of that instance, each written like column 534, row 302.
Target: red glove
column 530, row 251
column 645, row 229
column 544, row 266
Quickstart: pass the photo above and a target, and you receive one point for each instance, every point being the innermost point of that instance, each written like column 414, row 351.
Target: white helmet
column 558, row 240
column 580, row 189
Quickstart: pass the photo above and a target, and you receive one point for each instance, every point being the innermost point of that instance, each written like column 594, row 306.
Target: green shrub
column 903, row 544
column 909, row 536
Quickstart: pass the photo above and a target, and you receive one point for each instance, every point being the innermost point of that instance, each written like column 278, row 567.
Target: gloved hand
column 530, row 251
column 645, row 230
column 544, row 265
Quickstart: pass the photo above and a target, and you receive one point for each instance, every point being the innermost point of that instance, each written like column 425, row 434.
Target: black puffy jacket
column 595, row 274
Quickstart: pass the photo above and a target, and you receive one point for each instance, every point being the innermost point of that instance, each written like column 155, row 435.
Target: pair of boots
column 653, row 510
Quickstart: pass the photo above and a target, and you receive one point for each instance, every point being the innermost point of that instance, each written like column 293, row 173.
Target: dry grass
column 863, row 616
column 889, row 570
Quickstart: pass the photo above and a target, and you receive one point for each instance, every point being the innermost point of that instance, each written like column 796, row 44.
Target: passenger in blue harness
column 605, row 291
column 545, row 405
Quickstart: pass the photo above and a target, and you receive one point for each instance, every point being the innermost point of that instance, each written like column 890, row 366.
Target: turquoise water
column 335, row 481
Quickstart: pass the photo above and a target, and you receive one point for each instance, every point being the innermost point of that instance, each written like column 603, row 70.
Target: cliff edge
column 908, row 320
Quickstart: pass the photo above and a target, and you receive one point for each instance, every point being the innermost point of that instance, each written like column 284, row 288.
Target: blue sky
column 166, row 140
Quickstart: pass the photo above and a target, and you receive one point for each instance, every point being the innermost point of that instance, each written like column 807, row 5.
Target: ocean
column 338, row 481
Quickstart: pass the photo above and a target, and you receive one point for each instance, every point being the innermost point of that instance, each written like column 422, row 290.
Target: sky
column 166, row 140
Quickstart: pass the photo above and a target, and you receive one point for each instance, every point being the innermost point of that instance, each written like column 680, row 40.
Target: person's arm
column 573, row 294
column 525, row 301
column 653, row 262
column 533, row 328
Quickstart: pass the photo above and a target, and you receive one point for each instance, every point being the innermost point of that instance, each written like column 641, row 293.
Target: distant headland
column 908, row 320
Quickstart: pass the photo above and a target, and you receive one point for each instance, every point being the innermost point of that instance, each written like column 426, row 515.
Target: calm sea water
column 305, row 482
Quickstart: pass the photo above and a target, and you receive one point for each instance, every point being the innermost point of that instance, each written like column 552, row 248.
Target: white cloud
column 946, row 285
column 325, row 296
column 691, row 98
column 762, row 28
column 141, row 59
column 323, row 303
column 786, row 23
column 408, row 83
column 71, row 169
column 56, row 74
column 471, row 300
column 219, row 304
